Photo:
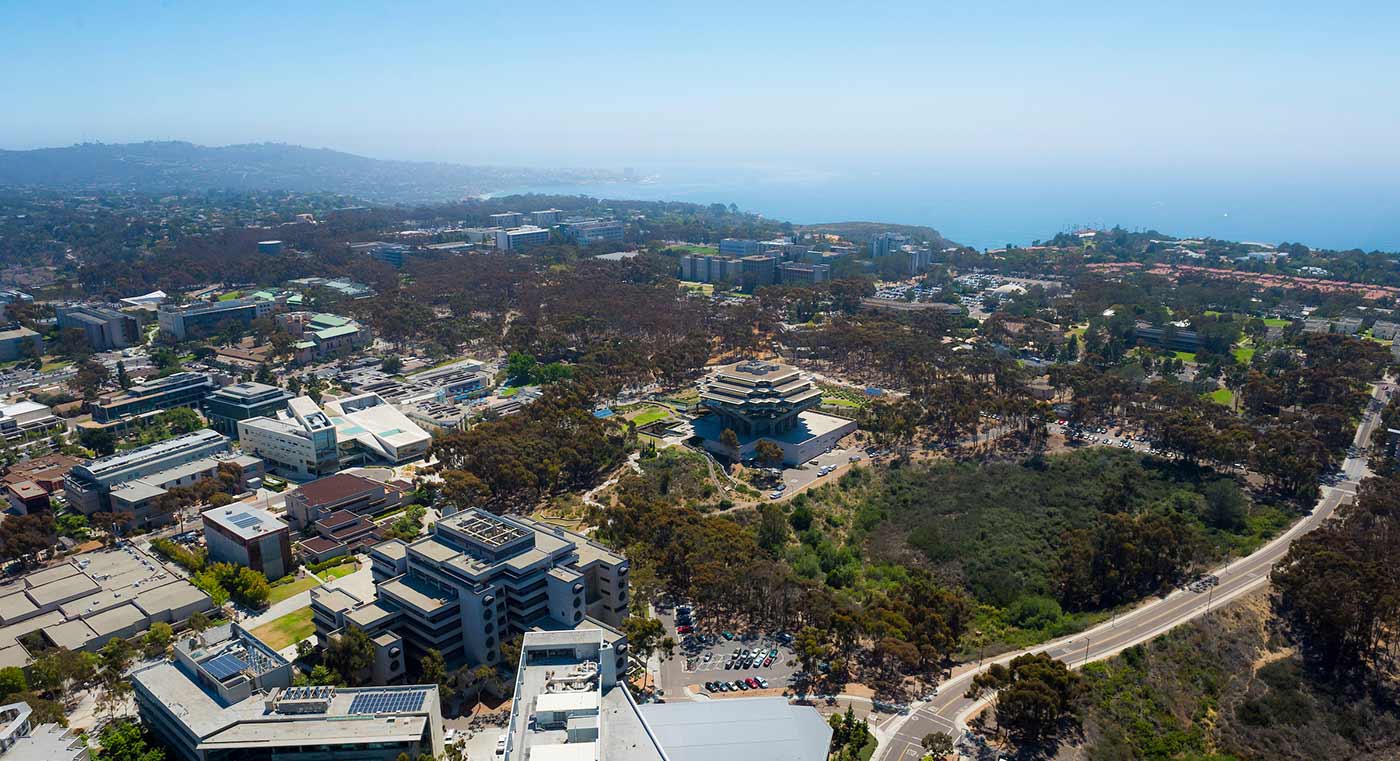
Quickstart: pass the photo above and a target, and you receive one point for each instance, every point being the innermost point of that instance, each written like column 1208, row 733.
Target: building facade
column 226, row 407
column 297, row 441
column 185, row 389
column 346, row 492
column 521, row 238
column 249, row 536
column 104, row 328
column 205, row 319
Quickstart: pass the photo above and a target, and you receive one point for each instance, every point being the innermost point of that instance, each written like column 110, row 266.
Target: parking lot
column 709, row 657
column 797, row 479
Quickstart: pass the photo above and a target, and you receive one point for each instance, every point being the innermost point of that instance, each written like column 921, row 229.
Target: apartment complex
column 507, row 219
column 224, row 408
column 105, row 328
column 521, row 238
column 571, row 705
column 184, row 389
column 546, row 217
column 248, row 536
column 227, row 696
column 205, row 319
column 478, row 580
column 131, row 481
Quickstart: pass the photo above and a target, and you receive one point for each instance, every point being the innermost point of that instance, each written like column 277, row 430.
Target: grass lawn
column 230, row 296
column 291, row 628
column 695, row 249
column 337, row 571
column 1185, row 356
column 51, row 365
column 281, row 592
column 651, row 415
column 1276, row 322
column 507, row 393
column 1222, row 396
column 837, row 401
column 705, row 288
column 1244, row 354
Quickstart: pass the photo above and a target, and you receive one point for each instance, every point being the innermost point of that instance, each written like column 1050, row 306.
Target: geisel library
column 767, row 400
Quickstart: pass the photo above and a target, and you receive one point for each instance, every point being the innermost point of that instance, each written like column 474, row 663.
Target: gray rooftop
column 739, row 729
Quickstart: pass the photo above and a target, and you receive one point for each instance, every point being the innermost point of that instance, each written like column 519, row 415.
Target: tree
column 520, row 368
column 264, row 375
column 89, row 379
column 730, row 439
column 12, row 680
column 197, row 622
column 768, row 452
column 127, row 740
column 123, row 378
column 100, row 440
column 938, row 744
column 350, row 654
column 772, row 527
column 434, row 671
column 391, row 364
column 25, row 537
column 157, row 639
column 181, row 420
column 1033, row 694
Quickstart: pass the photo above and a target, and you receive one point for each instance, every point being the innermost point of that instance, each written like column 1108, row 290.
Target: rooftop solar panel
column 225, row 666
column 244, row 520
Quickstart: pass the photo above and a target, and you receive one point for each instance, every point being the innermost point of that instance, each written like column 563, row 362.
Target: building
column 17, row 342
column 322, row 335
column 184, row 389
column 738, row 247
column 1385, row 330
column 270, row 247
column 343, row 492
column 227, row 696
column 1344, row 325
column 370, row 429
column 226, row 407
column 478, row 580
column 26, row 497
column 589, row 231
column 27, row 420
column 885, row 244
column 22, row 740
column 767, row 400
column 249, row 536
column 571, row 702
column 521, row 238
column 47, row 471
column 392, row 254
column 758, row 271
column 297, row 441
column 1168, row 337
column 546, row 217
column 782, row 249
column 104, row 328
column 340, row 285
column 206, row 318
column 86, row 600
column 708, row 268
column 794, row 273
column 132, row 480
column 346, row 532
column 507, row 219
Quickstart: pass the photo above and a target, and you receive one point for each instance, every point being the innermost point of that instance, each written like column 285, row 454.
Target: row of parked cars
column 738, row 685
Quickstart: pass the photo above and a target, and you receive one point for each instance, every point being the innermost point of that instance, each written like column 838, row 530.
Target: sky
column 998, row 88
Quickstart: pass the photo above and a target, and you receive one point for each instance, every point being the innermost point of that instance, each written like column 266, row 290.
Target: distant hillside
column 170, row 166
column 864, row 231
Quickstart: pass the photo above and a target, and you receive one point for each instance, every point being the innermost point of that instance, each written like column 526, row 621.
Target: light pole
column 1086, row 649
column 981, row 646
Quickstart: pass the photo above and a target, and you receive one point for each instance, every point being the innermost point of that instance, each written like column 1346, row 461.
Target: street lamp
column 981, row 646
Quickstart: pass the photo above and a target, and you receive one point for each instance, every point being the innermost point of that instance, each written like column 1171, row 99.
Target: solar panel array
column 224, row 666
column 388, row 702
column 244, row 520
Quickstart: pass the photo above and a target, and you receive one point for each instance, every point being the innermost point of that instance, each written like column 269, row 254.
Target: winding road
column 949, row 710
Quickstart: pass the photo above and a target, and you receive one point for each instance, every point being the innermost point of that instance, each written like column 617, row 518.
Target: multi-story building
column 249, row 536
column 227, row 406
column 480, row 579
column 16, row 341
column 546, row 217
column 27, row 420
column 794, row 273
column 738, row 247
column 322, row 335
column 205, row 319
column 782, row 248
column 884, row 244
column 707, row 268
column 521, row 238
column 130, row 481
column 767, row 400
column 105, row 328
column 507, row 219
column 571, row 702
column 588, row 231
column 228, row 696
column 185, row 389
column 23, row 740
column 758, row 271
column 298, row 440
column 372, row 430
column 342, row 492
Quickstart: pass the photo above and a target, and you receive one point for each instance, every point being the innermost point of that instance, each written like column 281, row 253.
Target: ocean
column 993, row 209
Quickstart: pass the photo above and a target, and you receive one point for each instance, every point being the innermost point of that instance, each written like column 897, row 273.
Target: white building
column 521, row 238
column 378, row 429
column 299, row 442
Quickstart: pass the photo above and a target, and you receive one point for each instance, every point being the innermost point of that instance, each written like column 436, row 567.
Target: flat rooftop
column 742, row 729
column 485, row 529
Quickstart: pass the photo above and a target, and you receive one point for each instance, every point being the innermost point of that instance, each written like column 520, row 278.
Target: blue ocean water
column 992, row 209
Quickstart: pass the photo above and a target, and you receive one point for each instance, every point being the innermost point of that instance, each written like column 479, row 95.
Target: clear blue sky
column 1179, row 85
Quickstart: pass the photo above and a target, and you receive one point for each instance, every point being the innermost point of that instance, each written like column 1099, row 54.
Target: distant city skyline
column 1248, row 87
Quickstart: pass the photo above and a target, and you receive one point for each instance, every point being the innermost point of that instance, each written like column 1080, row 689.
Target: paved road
column 949, row 710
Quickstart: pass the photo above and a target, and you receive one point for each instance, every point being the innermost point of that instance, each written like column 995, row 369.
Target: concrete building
column 546, row 217
column 1385, row 330
column 204, row 319
column 885, row 244
column 1169, row 337
column 104, row 328
column 87, row 599
column 782, row 249
column 370, row 429
column 758, row 271
column 342, row 492
column 795, row 273
column 767, row 400
column 297, row 441
column 507, row 219
column 224, row 408
column 249, row 536
column 738, row 247
column 707, row 268
column 521, row 238
column 184, row 389
column 572, row 704
column 132, row 480
column 270, row 247
column 227, row 696
column 26, row 420
column 478, row 580
column 589, row 231
column 25, row 497
column 16, row 340
column 22, row 740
